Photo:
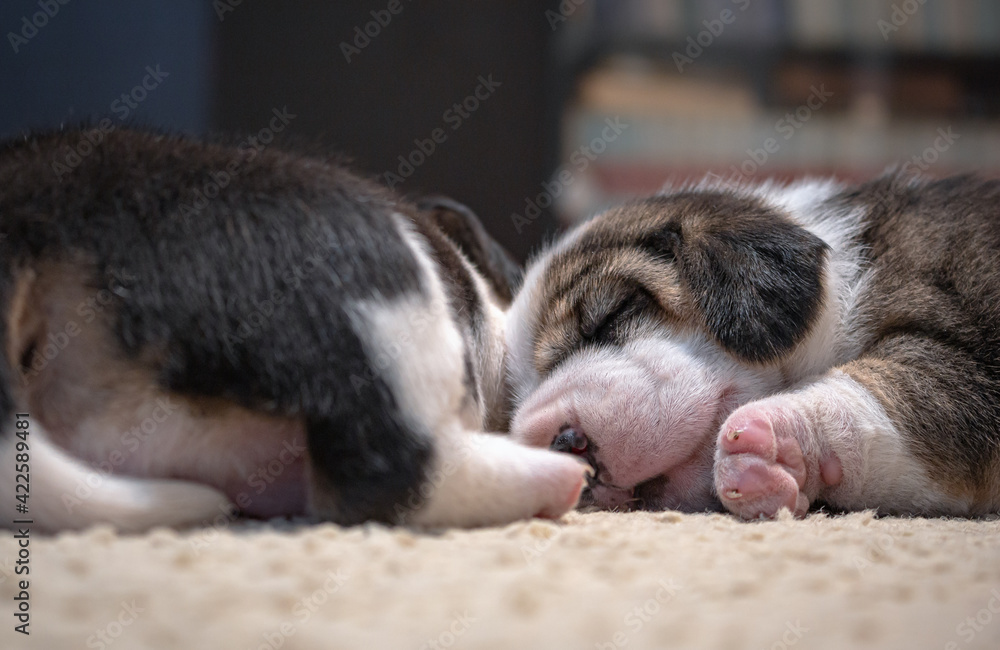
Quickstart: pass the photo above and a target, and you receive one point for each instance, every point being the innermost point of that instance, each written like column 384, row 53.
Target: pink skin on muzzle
column 650, row 412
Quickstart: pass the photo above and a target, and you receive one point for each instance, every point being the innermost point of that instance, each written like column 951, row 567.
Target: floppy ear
column 756, row 278
column 463, row 228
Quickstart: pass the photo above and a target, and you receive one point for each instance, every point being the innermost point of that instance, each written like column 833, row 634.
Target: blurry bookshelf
column 656, row 92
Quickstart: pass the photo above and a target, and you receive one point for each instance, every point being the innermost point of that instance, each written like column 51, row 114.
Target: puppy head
column 636, row 335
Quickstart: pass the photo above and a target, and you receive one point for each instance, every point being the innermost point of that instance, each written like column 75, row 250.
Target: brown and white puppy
column 773, row 347
column 188, row 326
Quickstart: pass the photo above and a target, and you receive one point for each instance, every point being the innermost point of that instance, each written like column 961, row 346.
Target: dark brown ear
column 462, row 227
column 756, row 276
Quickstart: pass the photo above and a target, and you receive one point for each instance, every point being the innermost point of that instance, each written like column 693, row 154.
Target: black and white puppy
column 773, row 347
column 188, row 326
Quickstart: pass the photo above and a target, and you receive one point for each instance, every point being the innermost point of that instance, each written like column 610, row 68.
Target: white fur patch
column 66, row 494
column 415, row 345
column 477, row 479
column 879, row 471
column 522, row 318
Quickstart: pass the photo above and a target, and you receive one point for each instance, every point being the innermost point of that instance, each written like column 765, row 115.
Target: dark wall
column 398, row 87
column 75, row 64
column 229, row 69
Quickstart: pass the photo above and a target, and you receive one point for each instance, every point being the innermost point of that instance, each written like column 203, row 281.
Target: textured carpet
column 597, row 580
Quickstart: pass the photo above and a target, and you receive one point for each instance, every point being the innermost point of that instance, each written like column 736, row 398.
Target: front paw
column 769, row 457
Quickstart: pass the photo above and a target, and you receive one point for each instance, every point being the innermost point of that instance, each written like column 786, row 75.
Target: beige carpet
column 590, row 581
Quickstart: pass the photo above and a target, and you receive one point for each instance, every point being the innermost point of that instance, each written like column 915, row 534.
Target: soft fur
column 768, row 347
column 213, row 329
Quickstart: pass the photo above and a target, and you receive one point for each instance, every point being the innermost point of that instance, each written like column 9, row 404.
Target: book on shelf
column 946, row 26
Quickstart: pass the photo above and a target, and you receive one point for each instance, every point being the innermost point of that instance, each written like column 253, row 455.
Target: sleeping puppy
column 767, row 348
column 191, row 328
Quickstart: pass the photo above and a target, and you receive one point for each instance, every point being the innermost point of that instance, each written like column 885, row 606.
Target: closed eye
column 598, row 323
column 594, row 327
column 603, row 316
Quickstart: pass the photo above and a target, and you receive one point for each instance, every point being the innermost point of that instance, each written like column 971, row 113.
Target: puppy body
column 205, row 326
column 773, row 347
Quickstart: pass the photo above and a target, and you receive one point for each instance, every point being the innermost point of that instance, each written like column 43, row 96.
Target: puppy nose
column 570, row 441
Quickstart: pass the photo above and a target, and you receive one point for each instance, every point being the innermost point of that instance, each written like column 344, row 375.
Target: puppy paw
column 486, row 480
column 767, row 459
column 560, row 483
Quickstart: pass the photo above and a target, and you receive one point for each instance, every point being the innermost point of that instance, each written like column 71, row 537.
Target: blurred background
column 535, row 114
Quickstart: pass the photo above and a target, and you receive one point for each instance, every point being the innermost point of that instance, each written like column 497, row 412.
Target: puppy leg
column 63, row 493
column 405, row 449
column 482, row 479
column 912, row 428
column 400, row 473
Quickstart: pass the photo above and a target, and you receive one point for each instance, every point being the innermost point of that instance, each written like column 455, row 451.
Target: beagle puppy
column 191, row 328
column 760, row 348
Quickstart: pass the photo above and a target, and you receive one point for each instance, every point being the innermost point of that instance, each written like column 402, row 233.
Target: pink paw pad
column 566, row 492
column 751, row 487
column 760, row 470
column 750, row 436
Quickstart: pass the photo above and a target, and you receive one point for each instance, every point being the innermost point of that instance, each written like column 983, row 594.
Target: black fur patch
column 756, row 276
column 236, row 267
column 462, row 227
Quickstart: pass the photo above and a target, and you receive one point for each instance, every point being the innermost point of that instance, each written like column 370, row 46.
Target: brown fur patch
column 25, row 321
column 931, row 308
column 583, row 291
column 726, row 265
column 945, row 405
column 111, row 411
column 74, row 370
